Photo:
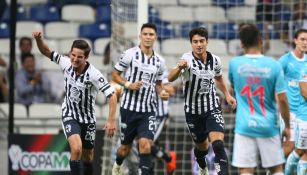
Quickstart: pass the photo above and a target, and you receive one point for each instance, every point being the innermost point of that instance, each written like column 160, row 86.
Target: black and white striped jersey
column 199, row 84
column 138, row 67
column 162, row 105
column 81, row 90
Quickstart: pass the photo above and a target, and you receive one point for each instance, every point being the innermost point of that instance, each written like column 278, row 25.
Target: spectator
column 299, row 21
column 31, row 85
column 25, row 47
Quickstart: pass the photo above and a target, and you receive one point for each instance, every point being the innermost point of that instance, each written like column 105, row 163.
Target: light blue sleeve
column 284, row 62
column 303, row 76
column 280, row 85
column 230, row 72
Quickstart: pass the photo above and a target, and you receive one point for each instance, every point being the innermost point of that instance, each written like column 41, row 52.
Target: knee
column 218, row 147
column 88, row 156
column 76, row 150
column 144, row 146
column 124, row 150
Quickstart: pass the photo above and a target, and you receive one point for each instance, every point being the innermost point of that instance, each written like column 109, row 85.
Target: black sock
column 119, row 159
column 200, row 157
column 160, row 153
column 221, row 160
column 88, row 168
column 75, row 167
column 145, row 164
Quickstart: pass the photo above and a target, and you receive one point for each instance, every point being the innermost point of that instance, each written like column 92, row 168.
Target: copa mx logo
column 38, row 161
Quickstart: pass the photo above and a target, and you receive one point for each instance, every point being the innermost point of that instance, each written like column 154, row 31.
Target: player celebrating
column 82, row 83
column 143, row 70
column 201, row 69
column 256, row 80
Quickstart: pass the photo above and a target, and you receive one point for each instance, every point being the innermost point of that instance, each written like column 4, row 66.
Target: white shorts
column 245, row 151
column 292, row 125
column 301, row 134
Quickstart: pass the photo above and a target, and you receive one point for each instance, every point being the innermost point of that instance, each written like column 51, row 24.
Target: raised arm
column 42, row 46
column 175, row 72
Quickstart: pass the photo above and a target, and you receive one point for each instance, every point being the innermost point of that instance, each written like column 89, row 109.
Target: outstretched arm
column 42, row 46
column 220, row 83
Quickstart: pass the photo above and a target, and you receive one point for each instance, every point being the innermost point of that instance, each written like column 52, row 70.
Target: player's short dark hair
column 149, row 25
column 201, row 31
column 296, row 34
column 22, row 39
column 24, row 56
column 249, row 35
column 83, row 45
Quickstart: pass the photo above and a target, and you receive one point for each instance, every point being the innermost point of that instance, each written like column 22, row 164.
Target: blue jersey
column 256, row 79
column 302, row 109
column 292, row 67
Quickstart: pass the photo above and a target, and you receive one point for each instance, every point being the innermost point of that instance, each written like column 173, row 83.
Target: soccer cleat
column 116, row 170
column 171, row 166
column 203, row 171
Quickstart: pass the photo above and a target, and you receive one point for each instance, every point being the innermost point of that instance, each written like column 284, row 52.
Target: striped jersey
column 81, row 90
column 162, row 105
column 199, row 85
column 138, row 67
column 292, row 67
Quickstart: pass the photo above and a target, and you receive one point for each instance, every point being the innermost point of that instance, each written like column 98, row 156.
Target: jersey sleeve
column 123, row 62
column 161, row 70
column 280, row 85
column 218, row 67
column 102, row 84
column 61, row 60
column 283, row 61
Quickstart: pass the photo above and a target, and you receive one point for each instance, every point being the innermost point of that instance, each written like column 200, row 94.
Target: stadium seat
column 4, row 30
column 195, row 2
column 273, row 34
column 32, row 2
column 78, row 13
column 20, row 110
column 94, row 31
column 25, row 28
column 225, row 59
column 65, row 44
column 277, row 48
column 54, row 30
column 171, row 61
column 5, row 45
column 100, row 44
column 163, row 2
column 234, row 47
column 176, row 14
column 21, row 14
column 45, row 110
column 44, row 13
column 48, row 65
column 103, row 14
column 53, row 45
column 225, row 31
column 217, row 46
column 250, row 2
column 96, row 61
column 175, row 46
column 186, row 27
column 213, row 14
column 165, row 30
column 241, row 14
column 228, row 3
column 153, row 15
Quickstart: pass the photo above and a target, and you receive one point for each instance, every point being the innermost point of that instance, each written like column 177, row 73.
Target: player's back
column 256, row 79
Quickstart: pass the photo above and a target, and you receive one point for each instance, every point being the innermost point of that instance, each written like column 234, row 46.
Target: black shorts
column 201, row 125
column 87, row 132
column 140, row 124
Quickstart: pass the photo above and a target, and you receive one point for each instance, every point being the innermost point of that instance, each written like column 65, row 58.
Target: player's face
column 199, row 44
column 148, row 37
column 301, row 42
column 77, row 58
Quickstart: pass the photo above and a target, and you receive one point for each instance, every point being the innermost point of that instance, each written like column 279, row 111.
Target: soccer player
column 200, row 70
column 256, row 80
column 82, row 83
column 300, row 141
column 292, row 65
column 143, row 71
